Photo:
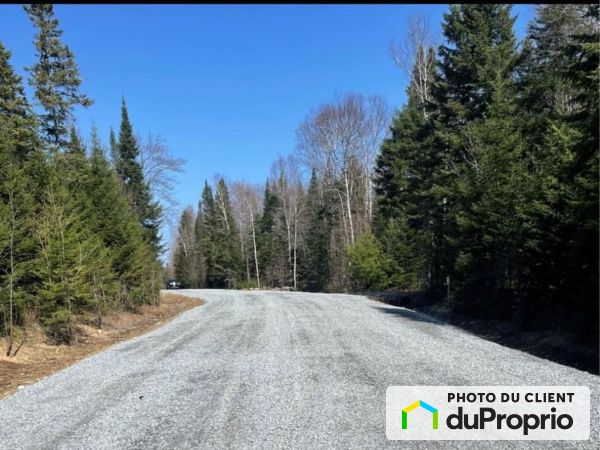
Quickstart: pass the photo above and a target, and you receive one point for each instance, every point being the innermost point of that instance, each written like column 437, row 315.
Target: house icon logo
column 422, row 404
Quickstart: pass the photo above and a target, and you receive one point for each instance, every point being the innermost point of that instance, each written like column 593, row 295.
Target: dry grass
column 37, row 358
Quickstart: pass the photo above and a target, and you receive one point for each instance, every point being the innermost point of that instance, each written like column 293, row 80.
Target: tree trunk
column 349, row 208
column 12, row 274
column 295, row 252
column 255, row 252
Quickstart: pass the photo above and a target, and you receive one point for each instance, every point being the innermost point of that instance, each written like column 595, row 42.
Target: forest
column 480, row 191
column 79, row 224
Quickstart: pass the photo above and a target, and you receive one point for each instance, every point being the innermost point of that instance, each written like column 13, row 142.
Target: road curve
column 257, row 369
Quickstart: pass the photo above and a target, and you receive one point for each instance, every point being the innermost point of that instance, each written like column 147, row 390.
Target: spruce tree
column 479, row 58
column 18, row 163
column 481, row 47
column 407, row 204
column 113, row 148
column 227, row 258
column 271, row 254
column 201, row 257
column 112, row 219
column 185, row 257
column 131, row 175
column 54, row 77
column 559, row 92
column 76, row 145
column 205, row 234
column 314, row 268
column 368, row 263
column 68, row 258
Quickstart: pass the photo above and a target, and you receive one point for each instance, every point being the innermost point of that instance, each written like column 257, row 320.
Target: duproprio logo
column 422, row 404
column 543, row 413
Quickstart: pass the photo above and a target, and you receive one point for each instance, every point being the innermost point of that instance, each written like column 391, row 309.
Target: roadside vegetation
column 40, row 358
column 481, row 191
column 79, row 224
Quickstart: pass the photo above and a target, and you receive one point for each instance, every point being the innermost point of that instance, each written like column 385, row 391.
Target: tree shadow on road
column 544, row 344
column 408, row 314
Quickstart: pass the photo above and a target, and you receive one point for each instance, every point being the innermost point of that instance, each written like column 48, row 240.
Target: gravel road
column 253, row 369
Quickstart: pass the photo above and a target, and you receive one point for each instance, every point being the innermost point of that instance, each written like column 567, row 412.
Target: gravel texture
column 256, row 369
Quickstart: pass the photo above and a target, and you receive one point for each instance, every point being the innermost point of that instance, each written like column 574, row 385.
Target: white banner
column 487, row 413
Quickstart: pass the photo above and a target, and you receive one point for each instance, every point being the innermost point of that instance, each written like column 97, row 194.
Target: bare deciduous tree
column 159, row 167
column 413, row 56
column 287, row 181
column 340, row 141
column 247, row 205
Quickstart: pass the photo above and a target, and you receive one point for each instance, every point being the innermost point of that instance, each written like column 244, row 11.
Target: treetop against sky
column 225, row 86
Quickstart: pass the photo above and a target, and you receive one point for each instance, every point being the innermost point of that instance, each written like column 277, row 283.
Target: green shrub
column 252, row 284
column 59, row 326
column 368, row 263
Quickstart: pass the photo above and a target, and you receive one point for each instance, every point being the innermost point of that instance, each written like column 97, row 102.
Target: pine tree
column 114, row 148
column 478, row 61
column 548, row 92
column 17, row 187
column 560, row 96
column 17, row 120
column 111, row 219
column 314, row 268
column 481, row 47
column 199, row 240
column 16, row 244
column 407, row 204
column 55, row 76
column 185, row 257
column 131, row 175
column 76, row 145
column 271, row 245
column 368, row 263
column 227, row 258
column 66, row 263
column 205, row 236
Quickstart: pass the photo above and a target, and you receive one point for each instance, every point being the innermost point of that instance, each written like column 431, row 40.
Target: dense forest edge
column 79, row 225
column 480, row 193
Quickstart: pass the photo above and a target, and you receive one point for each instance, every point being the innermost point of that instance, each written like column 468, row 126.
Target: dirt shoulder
column 38, row 359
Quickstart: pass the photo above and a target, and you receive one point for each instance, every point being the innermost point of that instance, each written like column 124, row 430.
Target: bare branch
column 159, row 167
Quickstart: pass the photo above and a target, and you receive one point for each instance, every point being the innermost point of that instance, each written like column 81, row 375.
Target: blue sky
column 225, row 86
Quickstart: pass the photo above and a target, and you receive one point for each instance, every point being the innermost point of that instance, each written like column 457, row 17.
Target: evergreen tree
column 227, row 258
column 205, row 237
column 55, row 76
column 17, row 208
column 314, row 268
column 560, row 96
column 75, row 143
column 66, row 263
column 548, row 92
column 111, row 219
column 271, row 256
column 199, row 240
column 481, row 48
column 478, row 61
column 114, row 148
column 185, row 257
column 17, row 120
column 407, row 205
column 131, row 175
column 368, row 271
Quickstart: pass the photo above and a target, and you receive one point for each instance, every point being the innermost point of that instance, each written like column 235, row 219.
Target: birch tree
column 340, row 140
column 247, row 205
